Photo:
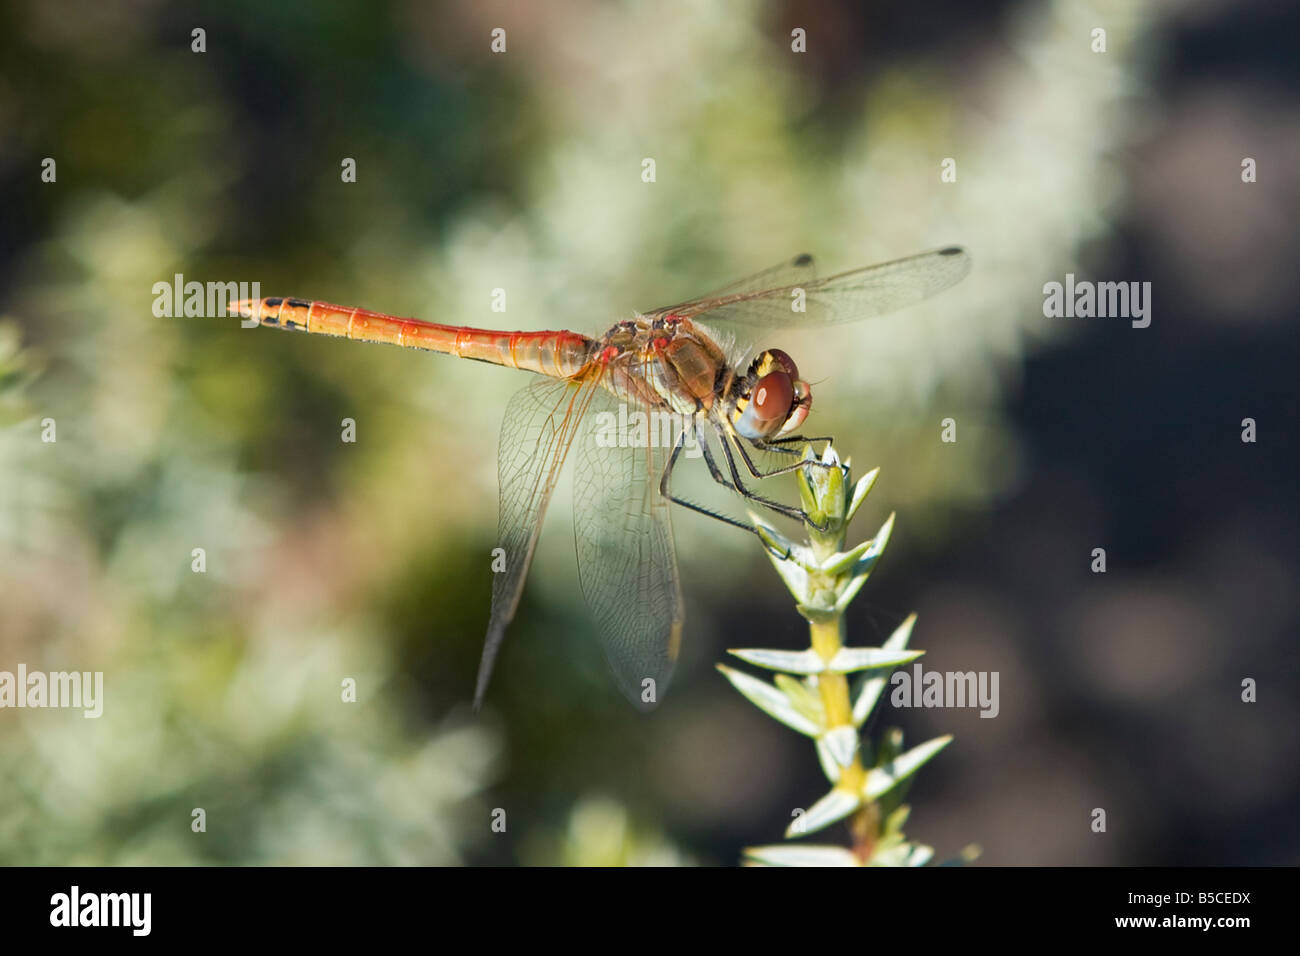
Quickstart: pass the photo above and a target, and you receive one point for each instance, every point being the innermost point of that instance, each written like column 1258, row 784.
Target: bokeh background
column 522, row 171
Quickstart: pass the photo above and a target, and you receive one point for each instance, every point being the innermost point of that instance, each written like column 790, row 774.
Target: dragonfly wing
column 799, row 271
column 847, row 297
column 626, row 561
column 536, row 434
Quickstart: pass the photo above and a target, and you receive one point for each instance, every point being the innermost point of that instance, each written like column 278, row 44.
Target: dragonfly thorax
column 666, row 363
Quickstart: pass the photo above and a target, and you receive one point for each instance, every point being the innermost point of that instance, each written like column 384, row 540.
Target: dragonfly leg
column 664, row 490
column 771, row 446
column 744, row 492
column 797, row 513
column 714, row 470
column 788, row 445
column 781, row 470
column 780, row 449
column 753, row 470
column 738, row 487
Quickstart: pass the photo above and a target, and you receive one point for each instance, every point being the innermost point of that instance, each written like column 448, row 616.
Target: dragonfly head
column 773, row 400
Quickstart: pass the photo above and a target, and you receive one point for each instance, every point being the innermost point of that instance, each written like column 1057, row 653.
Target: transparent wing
column 804, row 300
column 539, row 426
column 801, row 270
column 626, row 562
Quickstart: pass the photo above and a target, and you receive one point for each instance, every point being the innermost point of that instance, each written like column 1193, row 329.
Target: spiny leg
column 739, row 488
column 783, row 469
column 797, row 513
column 664, row 489
column 791, row 444
column 790, row 439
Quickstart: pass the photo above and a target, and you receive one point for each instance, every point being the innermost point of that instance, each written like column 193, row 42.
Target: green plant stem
column 827, row 638
column 811, row 692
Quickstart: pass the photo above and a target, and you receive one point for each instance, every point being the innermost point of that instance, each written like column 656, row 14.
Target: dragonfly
column 669, row 365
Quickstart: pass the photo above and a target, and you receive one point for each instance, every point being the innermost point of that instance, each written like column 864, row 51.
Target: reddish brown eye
column 772, row 396
column 783, row 361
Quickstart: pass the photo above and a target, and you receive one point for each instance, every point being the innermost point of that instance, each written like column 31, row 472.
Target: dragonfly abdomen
column 555, row 354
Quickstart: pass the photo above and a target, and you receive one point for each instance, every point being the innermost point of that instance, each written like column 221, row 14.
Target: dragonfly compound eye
column 802, row 406
column 768, row 407
column 783, row 361
column 772, row 396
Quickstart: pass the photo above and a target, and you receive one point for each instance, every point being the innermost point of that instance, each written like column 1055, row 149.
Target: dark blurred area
column 522, row 171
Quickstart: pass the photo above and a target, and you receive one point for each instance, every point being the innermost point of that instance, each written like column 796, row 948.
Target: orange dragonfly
column 664, row 365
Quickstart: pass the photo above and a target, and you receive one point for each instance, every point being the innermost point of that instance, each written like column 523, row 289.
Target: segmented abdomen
column 557, row 354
